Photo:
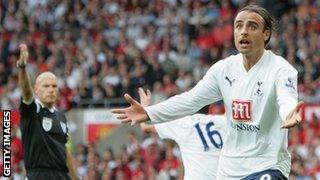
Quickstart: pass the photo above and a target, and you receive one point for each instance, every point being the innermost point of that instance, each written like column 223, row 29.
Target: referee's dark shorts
column 46, row 174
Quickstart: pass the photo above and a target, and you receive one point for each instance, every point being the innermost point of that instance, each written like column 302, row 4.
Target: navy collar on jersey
column 52, row 109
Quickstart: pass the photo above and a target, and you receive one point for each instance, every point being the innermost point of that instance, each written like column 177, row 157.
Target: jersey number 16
column 213, row 135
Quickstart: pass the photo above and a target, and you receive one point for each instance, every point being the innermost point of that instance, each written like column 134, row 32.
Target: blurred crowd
column 104, row 48
column 150, row 158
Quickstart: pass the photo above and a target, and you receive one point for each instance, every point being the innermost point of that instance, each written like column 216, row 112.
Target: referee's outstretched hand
column 24, row 55
column 294, row 117
column 135, row 113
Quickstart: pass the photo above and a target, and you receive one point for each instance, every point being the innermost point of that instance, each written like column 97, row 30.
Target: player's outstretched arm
column 135, row 113
column 294, row 117
column 24, row 80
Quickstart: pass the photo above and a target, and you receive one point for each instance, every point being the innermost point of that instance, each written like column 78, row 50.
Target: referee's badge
column 63, row 127
column 46, row 123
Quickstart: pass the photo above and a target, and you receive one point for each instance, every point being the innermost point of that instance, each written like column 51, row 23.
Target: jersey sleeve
column 205, row 92
column 28, row 109
column 286, row 91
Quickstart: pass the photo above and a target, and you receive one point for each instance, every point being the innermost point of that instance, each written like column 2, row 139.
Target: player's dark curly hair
column 204, row 110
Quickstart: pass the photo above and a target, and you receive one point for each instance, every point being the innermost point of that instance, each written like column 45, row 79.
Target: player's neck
column 249, row 60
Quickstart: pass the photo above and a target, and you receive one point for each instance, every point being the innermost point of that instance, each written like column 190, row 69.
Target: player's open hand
column 24, row 55
column 135, row 113
column 294, row 117
column 145, row 97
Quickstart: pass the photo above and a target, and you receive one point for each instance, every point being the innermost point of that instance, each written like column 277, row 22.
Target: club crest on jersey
column 47, row 123
column 63, row 127
column 241, row 110
column 258, row 92
column 229, row 80
column 289, row 83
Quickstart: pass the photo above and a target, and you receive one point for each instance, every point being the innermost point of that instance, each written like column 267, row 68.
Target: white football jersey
column 256, row 102
column 200, row 139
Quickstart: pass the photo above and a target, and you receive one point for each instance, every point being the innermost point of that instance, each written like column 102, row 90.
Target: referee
column 44, row 128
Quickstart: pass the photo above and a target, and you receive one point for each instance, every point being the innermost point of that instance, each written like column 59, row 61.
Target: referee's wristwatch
column 21, row 66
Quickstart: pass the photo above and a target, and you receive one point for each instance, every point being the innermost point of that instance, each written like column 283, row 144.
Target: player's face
column 47, row 90
column 249, row 33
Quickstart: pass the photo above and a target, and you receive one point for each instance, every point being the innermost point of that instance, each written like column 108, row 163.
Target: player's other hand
column 294, row 117
column 135, row 113
column 145, row 100
column 145, row 97
column 24, row 55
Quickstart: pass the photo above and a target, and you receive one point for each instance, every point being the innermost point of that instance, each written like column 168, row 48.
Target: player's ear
column 266, row 34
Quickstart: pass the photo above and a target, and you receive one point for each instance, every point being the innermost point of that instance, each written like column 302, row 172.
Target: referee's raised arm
column 43, row 127
column 24, row 80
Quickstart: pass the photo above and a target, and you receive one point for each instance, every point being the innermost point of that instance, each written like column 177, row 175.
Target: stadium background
column 101, row 49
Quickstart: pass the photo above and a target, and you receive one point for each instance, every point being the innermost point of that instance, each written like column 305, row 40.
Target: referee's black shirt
column 44, row 135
